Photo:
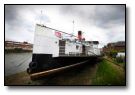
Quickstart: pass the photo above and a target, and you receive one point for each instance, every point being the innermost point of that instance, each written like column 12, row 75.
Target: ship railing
column 73, row 54
column 93, row 52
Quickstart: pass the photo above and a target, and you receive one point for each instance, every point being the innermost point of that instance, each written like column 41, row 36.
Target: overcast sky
column 103, row 23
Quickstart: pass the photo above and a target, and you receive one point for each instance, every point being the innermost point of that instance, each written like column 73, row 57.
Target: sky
column 103, row 23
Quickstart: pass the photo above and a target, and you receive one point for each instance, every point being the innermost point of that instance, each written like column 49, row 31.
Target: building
column 117, row 46
column 11, row 45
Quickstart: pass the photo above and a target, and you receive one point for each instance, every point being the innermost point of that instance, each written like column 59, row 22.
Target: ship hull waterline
column 45, row 64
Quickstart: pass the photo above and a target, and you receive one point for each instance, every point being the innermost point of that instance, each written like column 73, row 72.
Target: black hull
column 44, row 62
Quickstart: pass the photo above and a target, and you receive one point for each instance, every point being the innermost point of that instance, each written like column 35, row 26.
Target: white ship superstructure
column 53, row 49
column 58, row 43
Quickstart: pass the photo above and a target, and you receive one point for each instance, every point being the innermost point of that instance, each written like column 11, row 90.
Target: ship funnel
column 79, row 35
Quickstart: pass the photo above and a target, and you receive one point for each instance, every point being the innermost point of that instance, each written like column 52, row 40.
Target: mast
column 41, row 17
column 73, row 28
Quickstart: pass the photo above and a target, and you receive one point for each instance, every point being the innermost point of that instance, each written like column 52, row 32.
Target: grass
column 115, row 61
column 109, row 74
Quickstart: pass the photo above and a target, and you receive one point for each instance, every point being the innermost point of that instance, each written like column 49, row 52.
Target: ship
column 54, row 49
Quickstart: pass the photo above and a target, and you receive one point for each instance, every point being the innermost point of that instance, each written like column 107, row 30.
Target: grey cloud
column 110, row 14
column 14, row 23
column 99, row 15
column 11, row 15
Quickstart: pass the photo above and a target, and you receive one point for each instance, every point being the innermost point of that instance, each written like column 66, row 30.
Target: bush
column 120, row 59
column 113, row 54
column 18, row 49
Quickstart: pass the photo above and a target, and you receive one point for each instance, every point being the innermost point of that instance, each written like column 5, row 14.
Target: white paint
column 92, row 50
column 45, row 41
column 120, row 54
column 70, row 47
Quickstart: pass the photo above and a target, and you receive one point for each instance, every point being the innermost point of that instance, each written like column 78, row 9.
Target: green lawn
column 109, row 73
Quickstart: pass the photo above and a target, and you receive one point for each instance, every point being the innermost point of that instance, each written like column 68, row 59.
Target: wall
column 45, row 41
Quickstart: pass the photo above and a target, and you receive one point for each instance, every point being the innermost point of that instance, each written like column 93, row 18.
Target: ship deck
column 82, row 56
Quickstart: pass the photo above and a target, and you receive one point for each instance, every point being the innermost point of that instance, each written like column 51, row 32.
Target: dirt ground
column 100, row 73
column 76, row 76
